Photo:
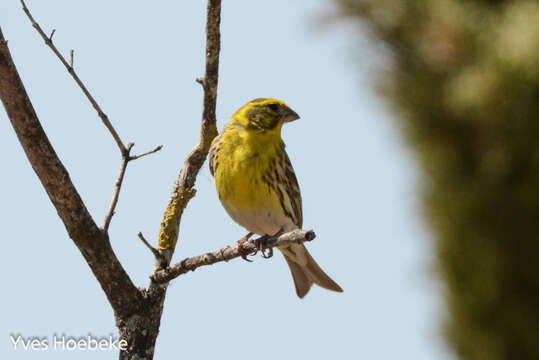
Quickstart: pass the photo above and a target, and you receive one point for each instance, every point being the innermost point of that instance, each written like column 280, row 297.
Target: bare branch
column 228, row 253
column 154, row 251
column 126, row 158
column 160, row 260
column 92, row 242
column 125, row 151
column 117, row 187
column 135, row 157
column 200, row 81
column 69, row 67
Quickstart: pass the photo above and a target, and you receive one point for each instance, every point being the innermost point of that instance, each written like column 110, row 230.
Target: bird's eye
column 274, row 106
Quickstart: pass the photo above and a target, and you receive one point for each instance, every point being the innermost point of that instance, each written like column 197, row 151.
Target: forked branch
column 126, row 158
column 124, row 150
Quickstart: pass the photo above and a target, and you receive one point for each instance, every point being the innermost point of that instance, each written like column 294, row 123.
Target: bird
column 257, row 185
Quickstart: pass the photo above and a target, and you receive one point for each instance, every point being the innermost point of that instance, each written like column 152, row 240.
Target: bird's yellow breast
column 244, row 159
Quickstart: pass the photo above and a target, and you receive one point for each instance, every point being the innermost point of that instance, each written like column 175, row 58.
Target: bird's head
column 267, row 115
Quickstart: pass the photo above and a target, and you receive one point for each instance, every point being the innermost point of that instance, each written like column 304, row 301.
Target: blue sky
column 358, row 182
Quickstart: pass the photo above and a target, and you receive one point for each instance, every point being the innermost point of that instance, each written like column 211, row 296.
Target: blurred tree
column 464, row 84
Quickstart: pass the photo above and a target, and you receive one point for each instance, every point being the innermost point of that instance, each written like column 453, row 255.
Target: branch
column 125, row 151
column 126, row 158
column 154, row 251
column 183, row 187
column 71, row 70
column 92, row 242
column 135, row 157
column 228, row 253
column 117, row 187
column 160, row 261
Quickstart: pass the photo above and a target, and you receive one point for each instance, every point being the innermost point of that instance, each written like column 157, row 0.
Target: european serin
column 257, row 184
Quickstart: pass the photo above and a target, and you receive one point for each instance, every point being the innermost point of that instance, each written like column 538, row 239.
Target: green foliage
column 464, row 85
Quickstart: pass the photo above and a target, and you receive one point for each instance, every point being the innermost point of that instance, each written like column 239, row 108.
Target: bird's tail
column 305, row 271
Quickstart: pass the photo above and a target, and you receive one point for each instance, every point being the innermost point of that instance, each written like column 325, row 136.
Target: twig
column 126, row 158
column 135, row 157
column 160, row 260
column 69, row 67
column 117, row 187
column 200, row 81
column 228, row 253
column 154, row 251
column 71, row 55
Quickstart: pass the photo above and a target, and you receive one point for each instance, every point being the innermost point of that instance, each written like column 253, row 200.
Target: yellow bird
column 257, row 184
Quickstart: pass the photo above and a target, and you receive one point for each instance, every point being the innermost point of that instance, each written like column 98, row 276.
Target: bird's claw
column 270, row 253
column 243, row 254
column 261, row 245
column 240, row 247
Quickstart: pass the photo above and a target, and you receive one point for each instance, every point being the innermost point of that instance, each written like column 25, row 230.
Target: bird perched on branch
column 258, row 187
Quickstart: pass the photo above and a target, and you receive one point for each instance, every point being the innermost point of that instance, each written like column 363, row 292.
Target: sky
column 358, row 182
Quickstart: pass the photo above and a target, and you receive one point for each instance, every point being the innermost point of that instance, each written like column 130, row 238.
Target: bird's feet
column 242, row 241
column 262, row 244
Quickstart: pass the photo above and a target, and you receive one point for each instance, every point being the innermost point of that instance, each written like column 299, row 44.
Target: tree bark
column 137, row 311
column 92, row 242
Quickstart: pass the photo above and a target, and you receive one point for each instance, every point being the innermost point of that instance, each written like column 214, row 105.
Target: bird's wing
column 289, row 188
column 214, row 149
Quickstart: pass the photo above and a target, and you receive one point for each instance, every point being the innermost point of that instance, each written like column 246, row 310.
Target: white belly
column 261, row 221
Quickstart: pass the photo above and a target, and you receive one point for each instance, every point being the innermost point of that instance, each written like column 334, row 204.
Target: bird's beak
column 290, row 115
